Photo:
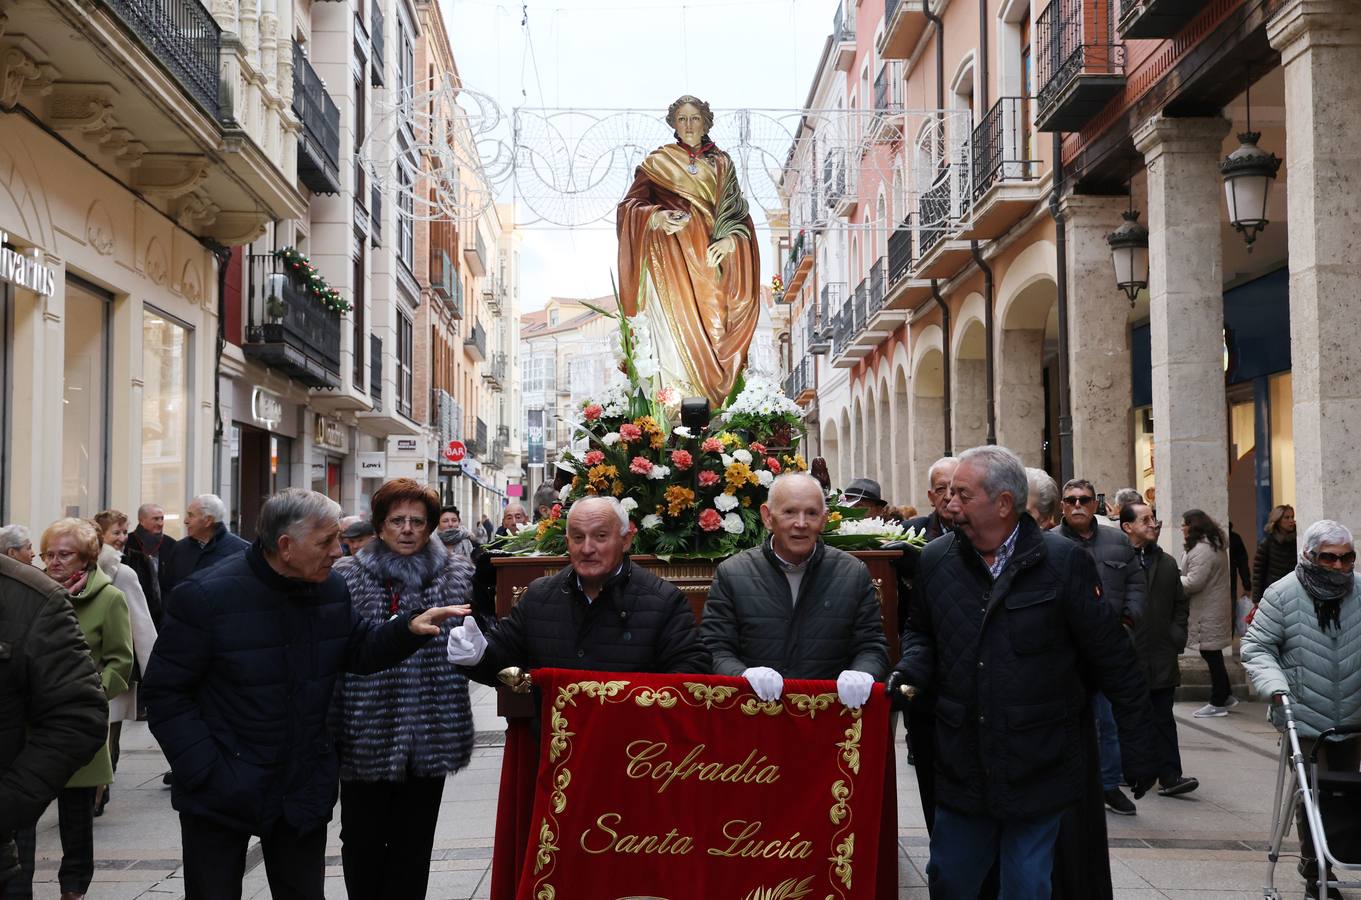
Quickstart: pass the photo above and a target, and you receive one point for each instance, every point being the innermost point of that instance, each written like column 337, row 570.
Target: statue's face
column 689, row 124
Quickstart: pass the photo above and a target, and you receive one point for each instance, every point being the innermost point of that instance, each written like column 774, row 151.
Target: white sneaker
column 1210, row 711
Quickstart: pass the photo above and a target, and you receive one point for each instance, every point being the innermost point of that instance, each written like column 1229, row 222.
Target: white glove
column 766, row 682
column 466, row 643
column 853, row 688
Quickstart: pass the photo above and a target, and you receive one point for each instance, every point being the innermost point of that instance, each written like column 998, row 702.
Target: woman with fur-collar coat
column 401, row 731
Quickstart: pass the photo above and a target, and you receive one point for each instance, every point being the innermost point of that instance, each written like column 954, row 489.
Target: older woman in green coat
column 70, row 550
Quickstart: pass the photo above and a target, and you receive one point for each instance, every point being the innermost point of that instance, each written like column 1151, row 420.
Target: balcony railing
column 900, row 252
column 933, row 213
column 376, row 371
column 476, row 342
column 799, row 380
column 875, row 301
column 475, row 252
column 376, row 71
column 1079, row 65
column 860, row 307
column 886, row 92
column 842, row 331
column 1000, row 146
column 443, row 276
column 319, row 140
column 843, row 26
column 289, row 330
column 479, row 431
column 184, row 38
column 494, row 371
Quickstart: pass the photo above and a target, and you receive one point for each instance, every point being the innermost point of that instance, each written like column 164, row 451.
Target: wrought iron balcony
column 494, row 371
column 376, row 32
column 820, row 338
column 933, row 213
column 799, row 381
column 288, row 330
column 183, row 36
column 904, row 22
column 475, row 344
column 479, row 431
column 843, row 331
column 1080, row 67
column 443, row 276
column 493, row 292
column 376, row 371
column 838, row 180
column 875, row 301
column 843, row 38
column 1001, row 151
column 475, row 252
column 900, row 252
column 319, row 140
column 1149, row 19
column 799, row 263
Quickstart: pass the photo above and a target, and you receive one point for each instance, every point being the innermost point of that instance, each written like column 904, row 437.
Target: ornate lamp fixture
column 1129, row 250
column 1248, row 174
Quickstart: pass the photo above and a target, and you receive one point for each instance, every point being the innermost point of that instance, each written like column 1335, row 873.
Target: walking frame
column 1302, row 785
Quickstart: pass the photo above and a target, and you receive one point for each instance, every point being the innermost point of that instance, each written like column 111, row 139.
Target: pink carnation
column 682, row 459
column 773, row 465
column 640, row 465
column 594, row 457
column 712, row 445
column 708, row 479
column 710, row 520
column 630, row 432
column 592, row 412
column 758, row 448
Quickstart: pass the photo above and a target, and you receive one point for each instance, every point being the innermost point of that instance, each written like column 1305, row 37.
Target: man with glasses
column 1123, row 589
column 937, row 522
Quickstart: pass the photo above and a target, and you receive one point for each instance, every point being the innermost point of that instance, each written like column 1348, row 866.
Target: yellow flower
column 746, row 501
column 648, row 424
column 834, row 518
column 542, row 531
column 739, row 474
column 799, row 462
column 729, row 439
column 600, row 476
column 678, row 499
column 618, row 488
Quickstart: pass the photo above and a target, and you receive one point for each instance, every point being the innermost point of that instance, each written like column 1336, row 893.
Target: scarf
column 410, row 574
column 76, row 583
column 1327, row 588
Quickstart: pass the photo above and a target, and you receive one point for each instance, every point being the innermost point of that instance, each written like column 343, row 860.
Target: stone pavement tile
column 913, row 893
column 1145, row 893
column 1122, row 876
column 1175, row 872
column 453, row 885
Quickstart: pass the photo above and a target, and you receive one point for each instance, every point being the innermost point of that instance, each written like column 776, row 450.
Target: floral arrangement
column 846, row 531
column 301, row 268
column 777, row 285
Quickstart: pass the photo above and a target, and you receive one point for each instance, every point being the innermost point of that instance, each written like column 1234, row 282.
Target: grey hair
column 145, row 509
column 789, row 480
column 14, row 537
column 1045, row 490
column 212, row 506
column 952, row 461
column 1003, row 471
column 1324, row 531
column 1127, row 495
column 612, row 502
column 289, row 510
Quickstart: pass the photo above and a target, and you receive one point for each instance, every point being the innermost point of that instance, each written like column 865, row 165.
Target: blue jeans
column 1107, row 742
column 963, row 849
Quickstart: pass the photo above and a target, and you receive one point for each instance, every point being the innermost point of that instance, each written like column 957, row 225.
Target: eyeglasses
column 1332, row 559
column 65, row 555
column 400, row 522
column 1084, row 500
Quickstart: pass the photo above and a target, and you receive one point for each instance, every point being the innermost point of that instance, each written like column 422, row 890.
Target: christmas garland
column 301, row 268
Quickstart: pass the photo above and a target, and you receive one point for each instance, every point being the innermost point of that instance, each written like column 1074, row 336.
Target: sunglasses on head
column 1333, row 559
column 1079, row 501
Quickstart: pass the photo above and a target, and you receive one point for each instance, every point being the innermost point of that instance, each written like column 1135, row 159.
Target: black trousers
column 76, row 824
column 387, row 830
column 215, row 861
column 1167, row 750
column 1219, row 677
column 1339, row 818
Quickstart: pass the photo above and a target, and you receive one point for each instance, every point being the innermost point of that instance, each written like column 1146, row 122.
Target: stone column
column 1020, row 392
column 928, row 440
column 969, row 403
column 1320, row 46
column 1186, row 317
column 1098, row 346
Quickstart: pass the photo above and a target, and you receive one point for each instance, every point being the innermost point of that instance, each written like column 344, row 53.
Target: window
column 405, row 351
column 540, row 373
column 357, row 318
column 406, row 210
column 85, row 401
column 165, row 412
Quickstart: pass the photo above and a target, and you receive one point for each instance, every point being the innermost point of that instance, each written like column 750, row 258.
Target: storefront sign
column 266, row 408
column 28, row 272
column 329, row 434
column 535, row 434
column 515, row 490
column 372, row 464
column 451, row 469
column 319, row 470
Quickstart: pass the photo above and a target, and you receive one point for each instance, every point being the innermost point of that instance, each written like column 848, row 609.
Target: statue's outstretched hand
column 720, row 249
column 669, row 220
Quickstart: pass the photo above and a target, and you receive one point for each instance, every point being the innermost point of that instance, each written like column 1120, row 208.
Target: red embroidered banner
column 686, row 787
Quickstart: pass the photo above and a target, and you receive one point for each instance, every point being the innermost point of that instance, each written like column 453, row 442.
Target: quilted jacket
column 1205, row 577
column 1012, row 664
column 1122, row 578
column 1161, row 636
column 1275, row 559
column 751, row 620
column 1285, row 650
column 638, row 623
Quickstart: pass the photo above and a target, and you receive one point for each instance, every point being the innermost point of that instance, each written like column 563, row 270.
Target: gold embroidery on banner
column 546, row 893
column 710, row 695
column 661, row 697
column 841, row 862
column 560, row 790
column 840, row 810
column 811, row 703
column 547, row 847
column 850, row 748
column 752, row 706
column 557, row 744
column 789, row 889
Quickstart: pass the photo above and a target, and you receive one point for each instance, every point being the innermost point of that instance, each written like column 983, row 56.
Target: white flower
column 609, row 440
column 732, row 523
column 682, row 432
column 652, row 521
column 727, row 460
column 725, row 503
column 629, row 504
column 659, row 472
column 742, row 456
column 566, row 489
column 765, row 477
column 889, row 531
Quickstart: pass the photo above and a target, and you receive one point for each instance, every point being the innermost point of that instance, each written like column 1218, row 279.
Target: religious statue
column 688, row 259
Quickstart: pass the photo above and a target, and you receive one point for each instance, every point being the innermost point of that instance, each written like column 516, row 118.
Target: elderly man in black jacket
column 238, row 689
column 1007, row 631
column 206, row 543
column 600, row 613
column 1123, row 589
column 794, row 607
column 53, row 713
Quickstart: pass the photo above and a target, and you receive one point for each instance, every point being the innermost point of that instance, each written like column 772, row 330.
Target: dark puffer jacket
column 1012, row 664
column 1162, row 635
column 638, row 623
column 240, row 683
column 1122, row 580
column 751, row 620
column 189, row 556
column 53, row 713
column 1275, row 559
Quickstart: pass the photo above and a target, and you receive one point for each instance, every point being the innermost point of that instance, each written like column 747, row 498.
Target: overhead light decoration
column 1248, row 175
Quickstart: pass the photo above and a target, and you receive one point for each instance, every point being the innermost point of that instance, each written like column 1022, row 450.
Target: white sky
column 629, row 54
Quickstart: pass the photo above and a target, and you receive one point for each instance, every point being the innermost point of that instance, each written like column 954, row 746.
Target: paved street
column 1208, row 845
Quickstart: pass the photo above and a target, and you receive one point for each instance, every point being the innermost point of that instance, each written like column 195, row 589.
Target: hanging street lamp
column 1248, row 174
column 1129, row 250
